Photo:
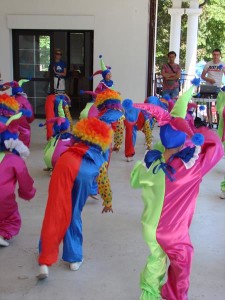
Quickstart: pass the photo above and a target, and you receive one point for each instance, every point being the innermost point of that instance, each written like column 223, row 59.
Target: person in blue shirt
column 58, row 70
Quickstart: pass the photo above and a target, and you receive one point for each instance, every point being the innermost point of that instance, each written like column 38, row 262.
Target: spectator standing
column 214, row 70
column 58, row 70
column 171, row 73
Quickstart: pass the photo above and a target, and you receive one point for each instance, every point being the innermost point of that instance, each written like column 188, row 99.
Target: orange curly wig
column 94, row 131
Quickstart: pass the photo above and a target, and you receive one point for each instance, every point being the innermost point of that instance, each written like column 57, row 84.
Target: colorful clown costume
column 170, row 180
column 25, row 106
column 106, row 83
column 51, row 111
column 12, row 168
column 130, row 123
column 220, row 107
column 110, row 110
column 61, row 139
column 56, row 146
column 24, row 127
column 168, row 211
column 69, row 188
column 74, row 179
column 145, row 122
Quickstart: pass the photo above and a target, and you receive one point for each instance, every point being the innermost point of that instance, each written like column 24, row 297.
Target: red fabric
column 140, row 121
column 129, row 146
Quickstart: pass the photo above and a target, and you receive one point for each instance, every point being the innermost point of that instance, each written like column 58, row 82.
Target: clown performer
column 110, row 111
column 131, row 114
column 69, row 188
column 105, row 83
column 167, row 101
column 61, row 139
column 108, row 104
column 138, row 118
column 13, row 170
column 145, row 123
column 170, row 181
column 51, row 111
column 90, row 109
column 220, row 107
column 162, row 102
column 25, row 105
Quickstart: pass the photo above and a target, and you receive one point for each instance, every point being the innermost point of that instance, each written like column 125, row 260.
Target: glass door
column 33, row 50
column 31, row 61
column 80, row 68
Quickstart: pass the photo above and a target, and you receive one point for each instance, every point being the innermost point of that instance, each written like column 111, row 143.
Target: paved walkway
column 114, row 251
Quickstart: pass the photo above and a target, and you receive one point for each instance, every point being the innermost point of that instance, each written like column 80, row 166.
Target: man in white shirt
column 213, row 74
column 214, row 70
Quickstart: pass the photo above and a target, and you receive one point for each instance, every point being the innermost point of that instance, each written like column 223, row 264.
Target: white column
column 175, row 30
column 192, row 39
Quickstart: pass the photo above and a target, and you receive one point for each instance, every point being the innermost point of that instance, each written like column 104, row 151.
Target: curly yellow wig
column 94, row 131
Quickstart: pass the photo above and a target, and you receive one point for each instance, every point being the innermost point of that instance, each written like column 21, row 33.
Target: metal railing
column 184, row 80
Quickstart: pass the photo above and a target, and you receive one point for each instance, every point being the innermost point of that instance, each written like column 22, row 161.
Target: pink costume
column 25, row 107
column 24, row 126
column 103, row 85
column 13, row 170
column 172, row 231
column 90, row 109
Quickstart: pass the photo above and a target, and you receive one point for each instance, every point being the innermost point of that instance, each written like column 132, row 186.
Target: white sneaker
column 43, row 272
column 222, row 195
column 3, row 242
column 76, row 265
column 129, row 159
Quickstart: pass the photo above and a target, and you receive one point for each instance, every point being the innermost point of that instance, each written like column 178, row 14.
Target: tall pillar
column 175, row 30
column 192, row 40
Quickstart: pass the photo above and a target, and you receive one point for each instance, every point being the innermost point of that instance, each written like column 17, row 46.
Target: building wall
column 120, row 34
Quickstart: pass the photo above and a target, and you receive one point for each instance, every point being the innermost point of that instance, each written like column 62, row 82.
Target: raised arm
column 212, row 149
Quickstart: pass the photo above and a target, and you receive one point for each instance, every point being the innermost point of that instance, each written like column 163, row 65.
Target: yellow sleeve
column 68, row 115
column 118, row 134
column 148, row 134
column 104, row 185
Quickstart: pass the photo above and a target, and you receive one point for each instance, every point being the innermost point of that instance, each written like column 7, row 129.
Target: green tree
column 211, row 32
column 163, row 34
column 44, row 52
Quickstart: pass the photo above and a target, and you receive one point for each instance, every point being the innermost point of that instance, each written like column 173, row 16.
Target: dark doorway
column 33, row 50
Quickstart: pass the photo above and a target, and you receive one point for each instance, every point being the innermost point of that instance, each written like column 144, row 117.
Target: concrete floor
column 114, row 251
